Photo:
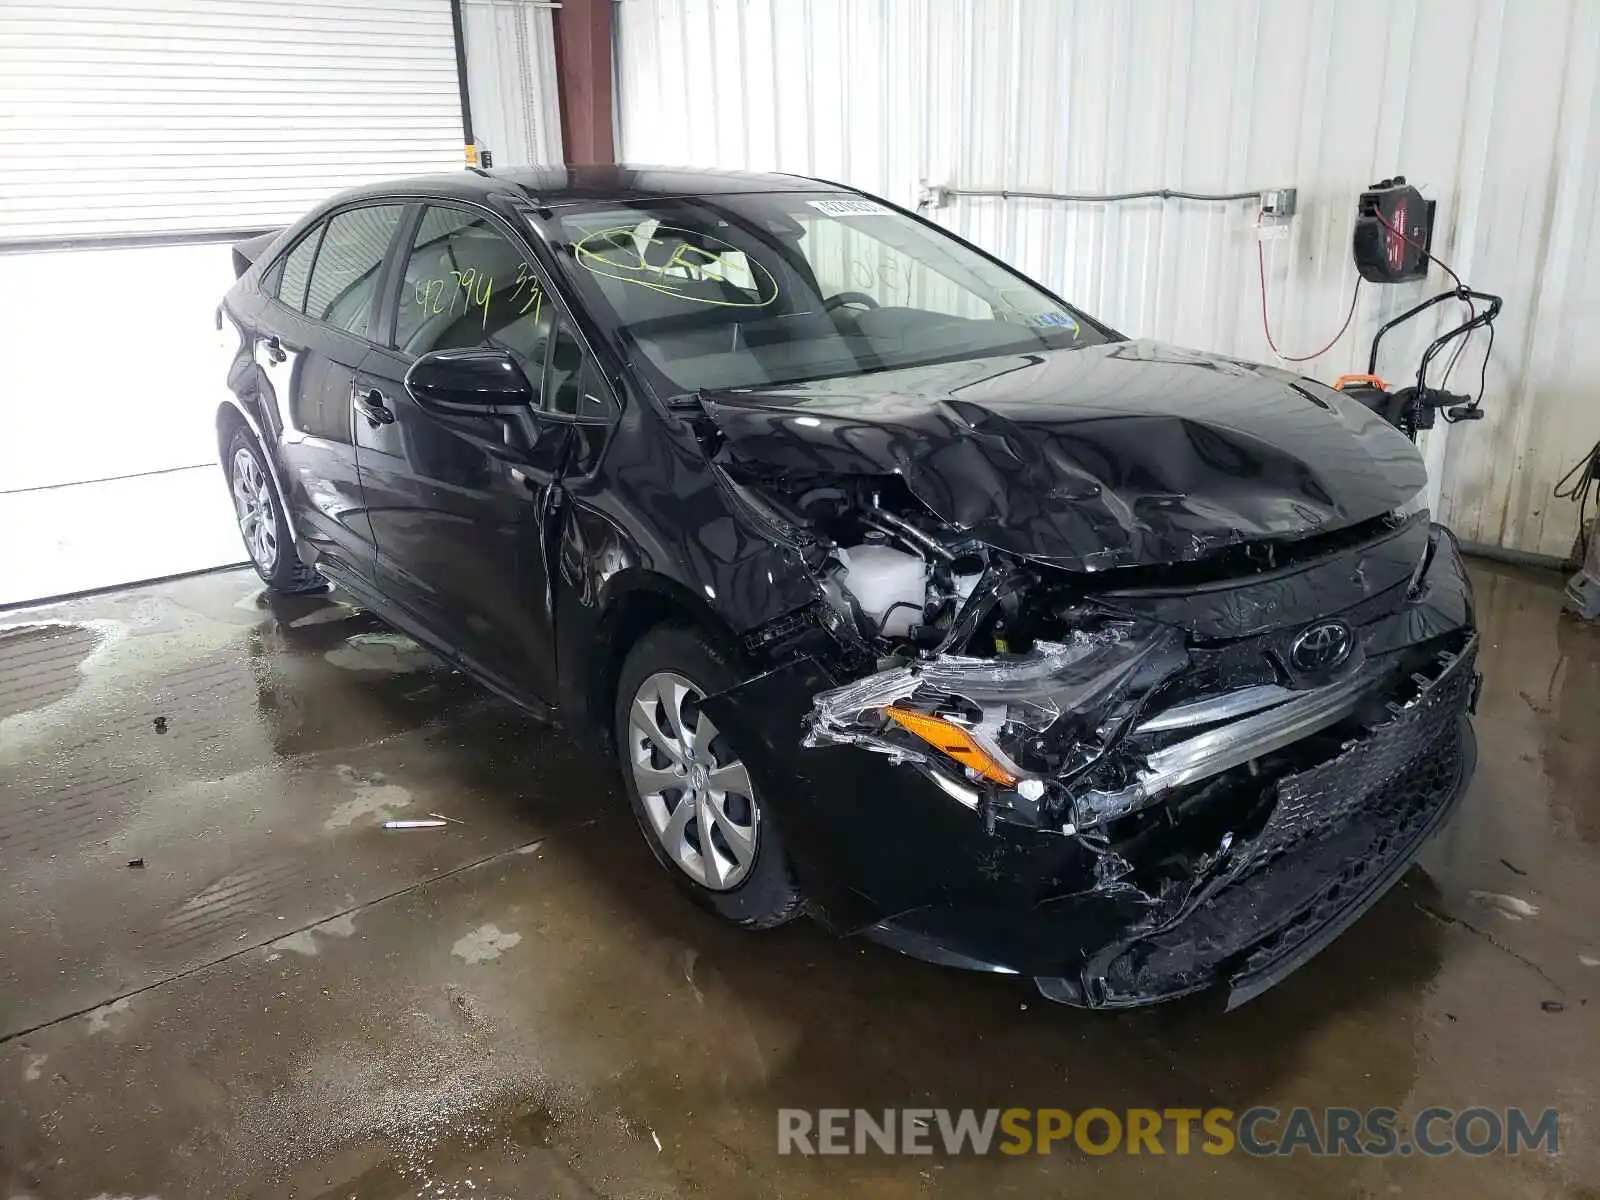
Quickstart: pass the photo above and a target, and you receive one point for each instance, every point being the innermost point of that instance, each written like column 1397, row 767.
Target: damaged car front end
column 1130, row 772
column 1234, row 831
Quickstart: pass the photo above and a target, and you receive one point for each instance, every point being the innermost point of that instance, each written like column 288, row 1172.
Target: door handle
column 373, row 405
column 274, row 348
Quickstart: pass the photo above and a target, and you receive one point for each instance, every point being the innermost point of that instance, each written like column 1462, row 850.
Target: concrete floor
column 288, row 1000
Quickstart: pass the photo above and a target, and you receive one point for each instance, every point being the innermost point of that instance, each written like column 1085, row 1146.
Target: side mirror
column 476, row 382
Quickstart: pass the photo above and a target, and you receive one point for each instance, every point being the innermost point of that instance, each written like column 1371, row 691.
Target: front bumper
column 1328, row 915
column 1340, row 835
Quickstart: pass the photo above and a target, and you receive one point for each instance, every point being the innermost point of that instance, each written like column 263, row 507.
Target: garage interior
column 221, row 975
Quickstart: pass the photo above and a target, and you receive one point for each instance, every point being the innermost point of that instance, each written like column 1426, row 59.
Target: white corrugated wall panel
column 511, row 69
column 158, row 116
column 1492, row 107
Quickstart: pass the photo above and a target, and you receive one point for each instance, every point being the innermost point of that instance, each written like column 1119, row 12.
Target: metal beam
column 460, row 36
column 583, row 31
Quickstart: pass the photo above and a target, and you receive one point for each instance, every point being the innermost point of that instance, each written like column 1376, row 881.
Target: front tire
column 259, row 511
column 688, row 786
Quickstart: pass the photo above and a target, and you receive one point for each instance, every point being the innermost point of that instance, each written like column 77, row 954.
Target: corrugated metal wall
column 1492, row 107
column 178, row 116
column 511, row 69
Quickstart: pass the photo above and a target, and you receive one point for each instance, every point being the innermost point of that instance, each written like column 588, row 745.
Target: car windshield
column 775, row 288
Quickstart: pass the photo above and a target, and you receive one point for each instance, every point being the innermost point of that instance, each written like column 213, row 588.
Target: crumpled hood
column 1131, row 453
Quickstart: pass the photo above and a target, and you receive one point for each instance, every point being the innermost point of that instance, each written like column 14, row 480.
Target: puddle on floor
column 392, row 652
column 39, row 664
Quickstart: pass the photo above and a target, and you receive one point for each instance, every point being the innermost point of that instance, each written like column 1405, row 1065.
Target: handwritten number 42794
column 475, row 290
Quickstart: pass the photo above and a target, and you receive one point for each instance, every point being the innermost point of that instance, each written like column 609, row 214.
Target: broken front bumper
column 1341, row 833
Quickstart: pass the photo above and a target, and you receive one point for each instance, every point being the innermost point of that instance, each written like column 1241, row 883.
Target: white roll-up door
column 511, row 62
column 127, row 129
column 148, row 117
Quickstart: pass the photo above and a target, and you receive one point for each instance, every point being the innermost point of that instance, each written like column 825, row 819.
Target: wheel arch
column 636, row 603
column 231, row 416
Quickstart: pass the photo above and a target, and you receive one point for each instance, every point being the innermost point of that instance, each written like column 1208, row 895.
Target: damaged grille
column 1334, row 828
column 1262, row 658
column 1316, row 800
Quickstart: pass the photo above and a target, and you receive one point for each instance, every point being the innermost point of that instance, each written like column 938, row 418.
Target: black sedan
column 901, row 592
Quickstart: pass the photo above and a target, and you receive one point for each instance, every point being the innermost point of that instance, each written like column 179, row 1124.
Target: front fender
column 615, row 574
column 607, row 592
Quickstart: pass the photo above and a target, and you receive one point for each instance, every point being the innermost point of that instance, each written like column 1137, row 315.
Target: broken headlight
column 1012, row 722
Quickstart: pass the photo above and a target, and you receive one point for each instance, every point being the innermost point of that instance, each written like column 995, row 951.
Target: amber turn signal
column 953, row 741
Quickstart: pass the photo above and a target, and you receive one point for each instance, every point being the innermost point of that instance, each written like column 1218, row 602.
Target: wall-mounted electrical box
column 1278, row 202
column 1394, row 232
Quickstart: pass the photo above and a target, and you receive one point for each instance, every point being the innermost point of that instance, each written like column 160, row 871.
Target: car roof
column 557, row 185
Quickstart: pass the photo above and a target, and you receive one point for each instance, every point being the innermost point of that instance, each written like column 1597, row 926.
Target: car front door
column 308, row 346
column 463, row 530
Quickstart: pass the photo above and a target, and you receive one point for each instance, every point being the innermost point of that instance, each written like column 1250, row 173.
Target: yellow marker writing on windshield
column 615, row 254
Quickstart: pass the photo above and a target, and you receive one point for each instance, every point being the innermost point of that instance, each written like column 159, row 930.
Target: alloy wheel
column 258, row 517
column 696, row 793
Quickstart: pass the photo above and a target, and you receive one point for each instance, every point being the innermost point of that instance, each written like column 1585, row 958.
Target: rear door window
column 344, row 281
column 466, row 284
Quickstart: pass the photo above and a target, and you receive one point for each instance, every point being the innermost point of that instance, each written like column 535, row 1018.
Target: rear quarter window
column 294, row 273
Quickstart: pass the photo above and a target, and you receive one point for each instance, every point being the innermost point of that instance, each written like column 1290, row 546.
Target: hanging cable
column 1455, row 355
column 1578, row 485
column 1483, row 375
column 1266, row 321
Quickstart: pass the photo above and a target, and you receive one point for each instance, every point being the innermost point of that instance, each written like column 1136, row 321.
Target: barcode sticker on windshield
column 849, row 208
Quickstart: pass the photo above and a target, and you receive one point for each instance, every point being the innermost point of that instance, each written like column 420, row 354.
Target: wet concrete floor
column 285, row 999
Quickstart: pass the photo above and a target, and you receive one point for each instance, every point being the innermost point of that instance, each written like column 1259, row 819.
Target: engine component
column 909, row 530
column 1394, row 232
column 889, row 585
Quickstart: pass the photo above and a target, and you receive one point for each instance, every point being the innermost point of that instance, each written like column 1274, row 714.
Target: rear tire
column 258, row 510
column 682, row 774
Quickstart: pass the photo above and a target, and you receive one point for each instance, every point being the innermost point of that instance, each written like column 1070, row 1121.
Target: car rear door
column 312, row 336
column 462, row 532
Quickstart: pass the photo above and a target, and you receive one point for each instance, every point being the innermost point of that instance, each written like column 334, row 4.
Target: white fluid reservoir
column 890, row 585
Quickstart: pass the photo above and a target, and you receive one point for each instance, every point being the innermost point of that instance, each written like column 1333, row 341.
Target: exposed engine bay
column 904, row 581
column 977, row 652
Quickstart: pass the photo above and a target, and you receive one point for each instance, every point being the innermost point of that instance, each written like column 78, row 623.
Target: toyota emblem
column 1321, row 647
